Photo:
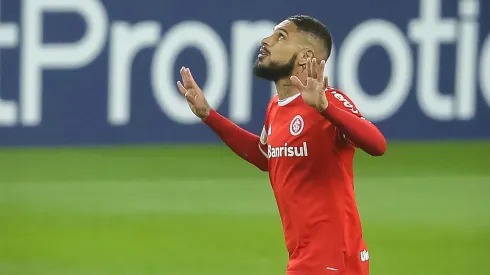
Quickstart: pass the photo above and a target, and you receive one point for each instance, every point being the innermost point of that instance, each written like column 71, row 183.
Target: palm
column 313, row 92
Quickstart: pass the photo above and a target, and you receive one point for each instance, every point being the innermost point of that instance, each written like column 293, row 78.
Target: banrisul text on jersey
column 288, row 151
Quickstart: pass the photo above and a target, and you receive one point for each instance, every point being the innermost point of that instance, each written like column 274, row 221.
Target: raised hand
column 194, row 95
column 313, row 92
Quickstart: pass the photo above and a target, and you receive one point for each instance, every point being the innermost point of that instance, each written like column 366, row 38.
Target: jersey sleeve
column 263, row 142
column 342, row 101
column 265, row 130
column 339, row 99
column 242, row 142
column 353, row 128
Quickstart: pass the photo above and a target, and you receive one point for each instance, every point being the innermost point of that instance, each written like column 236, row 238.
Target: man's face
column 277, row 56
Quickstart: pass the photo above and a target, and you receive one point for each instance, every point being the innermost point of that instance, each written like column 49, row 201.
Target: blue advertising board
column 104, row 71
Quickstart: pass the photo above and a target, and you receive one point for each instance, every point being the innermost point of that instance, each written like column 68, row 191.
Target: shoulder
column 272, row 102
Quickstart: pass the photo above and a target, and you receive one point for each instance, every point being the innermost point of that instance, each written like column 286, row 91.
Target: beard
column 275, row 71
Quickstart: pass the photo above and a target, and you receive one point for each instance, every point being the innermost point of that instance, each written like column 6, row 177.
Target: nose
column 266, row 41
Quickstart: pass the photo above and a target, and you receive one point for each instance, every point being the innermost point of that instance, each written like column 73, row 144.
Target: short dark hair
column 313, row 26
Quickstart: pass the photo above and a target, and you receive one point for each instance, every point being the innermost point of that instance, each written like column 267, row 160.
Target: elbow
column 379, row 149
column 264, row 168
column 377, row 153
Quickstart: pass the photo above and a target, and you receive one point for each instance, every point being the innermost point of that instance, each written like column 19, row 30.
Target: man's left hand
column 313, row 92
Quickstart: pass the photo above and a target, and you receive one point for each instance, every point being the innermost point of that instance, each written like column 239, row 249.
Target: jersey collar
column 287, row 100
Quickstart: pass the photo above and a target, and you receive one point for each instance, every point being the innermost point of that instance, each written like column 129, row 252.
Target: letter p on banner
column 36, row 56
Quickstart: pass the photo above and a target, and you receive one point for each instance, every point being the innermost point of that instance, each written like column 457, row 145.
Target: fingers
column 181, row 87
column 320, row 71
column 187, row 78
column 308, row 67
column 314, row 68
column 188, row 94
column 190, row 78
column 297, row 83
column 325, row 82
column 189, row 87
column 184, row 78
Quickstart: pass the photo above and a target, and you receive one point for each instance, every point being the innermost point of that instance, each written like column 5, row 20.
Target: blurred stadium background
column 104, row 170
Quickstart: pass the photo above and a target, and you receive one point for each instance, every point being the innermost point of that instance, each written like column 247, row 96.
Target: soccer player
column 311, row 132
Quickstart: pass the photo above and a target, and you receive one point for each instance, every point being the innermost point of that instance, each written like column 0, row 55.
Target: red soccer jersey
column 310, row 165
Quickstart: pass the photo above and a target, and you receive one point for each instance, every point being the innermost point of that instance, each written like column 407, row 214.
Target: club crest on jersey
column 297, row 125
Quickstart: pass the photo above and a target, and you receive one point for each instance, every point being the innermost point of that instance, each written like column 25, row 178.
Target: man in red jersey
column 307, row 146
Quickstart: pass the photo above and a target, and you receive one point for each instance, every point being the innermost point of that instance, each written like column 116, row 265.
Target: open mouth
column 263, row 52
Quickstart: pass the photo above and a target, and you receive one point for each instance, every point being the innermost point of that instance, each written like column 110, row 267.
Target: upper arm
column 263, row 142
column 342, row 101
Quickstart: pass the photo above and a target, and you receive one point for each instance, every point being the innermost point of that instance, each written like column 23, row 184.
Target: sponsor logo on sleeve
column 263, row 136
column 346, row 103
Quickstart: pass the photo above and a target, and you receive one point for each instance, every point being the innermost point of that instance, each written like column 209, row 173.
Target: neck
column 285, row 89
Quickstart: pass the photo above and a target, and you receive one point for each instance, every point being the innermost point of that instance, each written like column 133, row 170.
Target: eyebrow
column 284, row 30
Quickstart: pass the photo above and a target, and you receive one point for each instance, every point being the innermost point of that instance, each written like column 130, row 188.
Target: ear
column 304, row 55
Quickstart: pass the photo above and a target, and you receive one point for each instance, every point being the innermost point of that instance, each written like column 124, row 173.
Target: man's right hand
column 194, row 95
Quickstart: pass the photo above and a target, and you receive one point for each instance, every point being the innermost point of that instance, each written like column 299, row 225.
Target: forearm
column 240, row 141
column 362, row 133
